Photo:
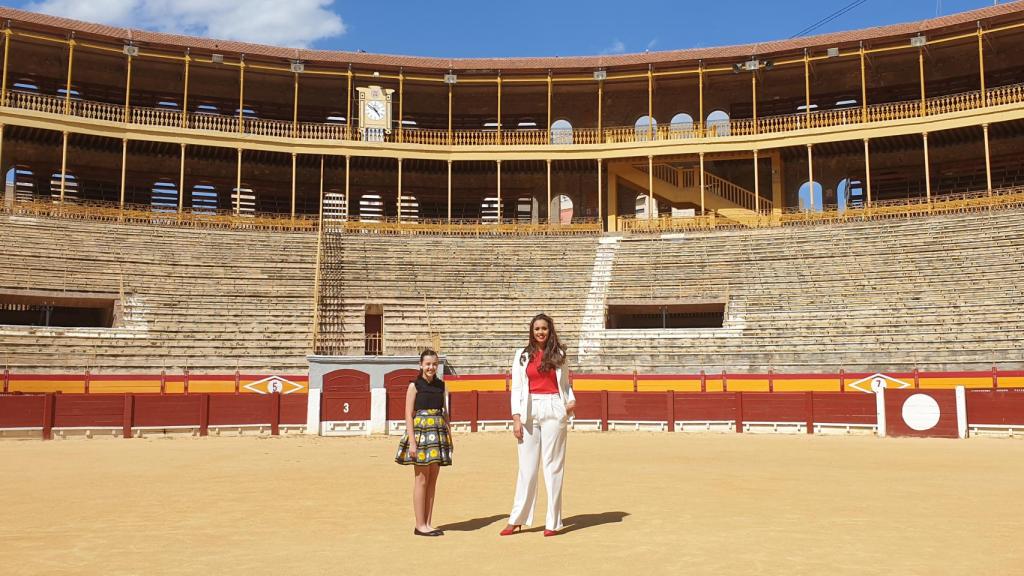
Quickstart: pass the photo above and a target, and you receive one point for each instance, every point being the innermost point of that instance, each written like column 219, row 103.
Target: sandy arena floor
column 634, row 503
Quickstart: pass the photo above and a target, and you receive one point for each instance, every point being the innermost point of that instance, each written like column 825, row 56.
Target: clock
column 375, row 108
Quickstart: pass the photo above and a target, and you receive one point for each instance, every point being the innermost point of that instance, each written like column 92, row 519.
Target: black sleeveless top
column 429, row 395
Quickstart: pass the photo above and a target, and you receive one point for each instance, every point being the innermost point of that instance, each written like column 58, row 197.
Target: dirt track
column 695, row 504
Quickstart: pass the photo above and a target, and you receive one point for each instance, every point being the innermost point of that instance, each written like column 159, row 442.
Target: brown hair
column 553, row 352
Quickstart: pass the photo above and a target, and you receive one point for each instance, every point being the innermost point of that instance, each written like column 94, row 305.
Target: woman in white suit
column 542, row 401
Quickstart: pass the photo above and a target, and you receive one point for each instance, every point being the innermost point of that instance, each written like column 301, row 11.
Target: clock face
column 374, row 110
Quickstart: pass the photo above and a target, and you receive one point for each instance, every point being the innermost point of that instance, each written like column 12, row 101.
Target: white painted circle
column 921, row 412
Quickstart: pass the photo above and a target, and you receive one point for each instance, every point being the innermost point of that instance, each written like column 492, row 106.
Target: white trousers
column 543, row 439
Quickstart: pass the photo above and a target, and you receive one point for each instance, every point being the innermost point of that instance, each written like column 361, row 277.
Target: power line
column 831, row 17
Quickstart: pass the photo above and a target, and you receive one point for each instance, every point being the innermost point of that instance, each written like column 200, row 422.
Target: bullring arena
column 789, row 277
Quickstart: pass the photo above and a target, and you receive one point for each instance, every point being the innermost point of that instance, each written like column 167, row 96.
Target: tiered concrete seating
column 941, row 293
column 476, row 295
column 209, row 300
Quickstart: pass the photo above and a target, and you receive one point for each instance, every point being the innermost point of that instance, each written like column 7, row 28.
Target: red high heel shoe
column 550, row 533
column 511, row 531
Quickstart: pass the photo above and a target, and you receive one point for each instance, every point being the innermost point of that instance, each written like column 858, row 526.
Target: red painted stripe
column 156, row 377
column 453, row 377
column 605, row 376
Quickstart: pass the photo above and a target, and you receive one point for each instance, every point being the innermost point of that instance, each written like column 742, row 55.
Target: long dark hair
column 553, row 352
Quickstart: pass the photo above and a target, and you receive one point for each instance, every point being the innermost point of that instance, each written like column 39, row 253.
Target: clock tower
column 374, row 113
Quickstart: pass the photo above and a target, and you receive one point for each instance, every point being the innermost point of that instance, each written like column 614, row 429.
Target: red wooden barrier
column 670, row 409
column 705, row 407
column 1002, row 407
column 474, row 410
column 636, row 406
column 294, row 408
column 809, row 411
column 48, row 415
column 604, row 410
column 158, row 410
column 129, row 416
column 844, row 408
column 275, row 414
column 493, row 405
column 739, row 407
column 910, row 412
column 85, row 410
column 22, row 411
column 204, row 414
column 773, row 406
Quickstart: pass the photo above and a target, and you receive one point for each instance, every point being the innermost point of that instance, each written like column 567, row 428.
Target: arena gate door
column 396, row 383
column 345, row 403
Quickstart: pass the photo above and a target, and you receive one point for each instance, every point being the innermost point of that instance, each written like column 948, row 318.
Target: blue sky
column 464, row 28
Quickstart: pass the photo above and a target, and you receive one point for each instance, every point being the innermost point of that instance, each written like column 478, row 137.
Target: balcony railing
column 959, row 203
column 875, row 113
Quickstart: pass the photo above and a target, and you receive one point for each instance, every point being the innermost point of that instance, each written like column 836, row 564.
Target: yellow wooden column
column 450, row 90
column 650, row 187
column 867, row 170
column 63, row 166
column 399, row 190
column 181, row 181
column 67, row 87
column 184, row 97
column 401, row 105
column 499, row 191
column 348, row 107
column 128, row 92
column 295, row 107
column 499, row 108
column 988, row 160
column 548, row 209
column 124, row 169
column 981, row 66
column 920, row 66
column 700, row 89
column 241, row 95
column 548, row 129
column 238, row 184
column 613, row 203
column 757, row 185
column 600, row 193
column 348, row 203
column 927, row 170
column 294, row 157
column 778, row 199
column 863, row 87
column 650, row 104
column 753, row 97
column 807, row 88
column 701, row 183
column 810, row 177
column 449, row 191
column 600, row 112
column 3, row 80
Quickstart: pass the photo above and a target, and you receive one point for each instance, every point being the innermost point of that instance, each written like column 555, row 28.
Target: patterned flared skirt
column 433, row 444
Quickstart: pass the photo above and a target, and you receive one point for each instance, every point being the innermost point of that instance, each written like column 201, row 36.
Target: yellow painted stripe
column 804, row 385
column 38, row 386
column 1010, row 382
column 946, row 382
column 679, row 385
column 481, row 384
column 592, row 384
column 748, row 385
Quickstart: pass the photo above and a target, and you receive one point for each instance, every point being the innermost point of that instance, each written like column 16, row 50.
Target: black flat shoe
column 417, row 532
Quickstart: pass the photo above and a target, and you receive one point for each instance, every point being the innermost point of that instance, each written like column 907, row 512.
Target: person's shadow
column 473, row 524
column 572, row 523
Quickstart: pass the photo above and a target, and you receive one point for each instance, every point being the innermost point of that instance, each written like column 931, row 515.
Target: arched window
column 561, row 132
column 204, row 199
column 681, row 126
column 25, row 85
column 807, row 201
column 641, row 207
column 562, row 206
column 75, row 94
column 246, row 200
column 526, row 210
column 207, row 108
column 336, row 118
column 646, row 128
column 23, row 180
column 526, row 124
column 718, row 123
column 371, row 207
column 164, row 196
column 489, row 210
column 247, row 112
column 410, row 209
column 70, row 187
column 849, row 194
column 168, row 104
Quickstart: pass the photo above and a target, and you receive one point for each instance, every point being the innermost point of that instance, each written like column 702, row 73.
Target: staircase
column 593, row 322
column 682, row 185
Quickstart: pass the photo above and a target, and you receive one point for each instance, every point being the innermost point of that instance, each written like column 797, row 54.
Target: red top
column 541, row 382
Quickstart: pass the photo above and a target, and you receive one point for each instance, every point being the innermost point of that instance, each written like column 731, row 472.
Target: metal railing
column 874, row 113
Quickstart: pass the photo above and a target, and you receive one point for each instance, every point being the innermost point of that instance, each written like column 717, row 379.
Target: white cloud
column 293, row 23
column 616, row 47
column 652, row 43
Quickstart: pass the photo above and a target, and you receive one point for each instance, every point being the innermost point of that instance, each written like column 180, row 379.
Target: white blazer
column 520, row 396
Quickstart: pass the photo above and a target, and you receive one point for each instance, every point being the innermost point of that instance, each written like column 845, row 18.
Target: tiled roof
column 176, row 42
